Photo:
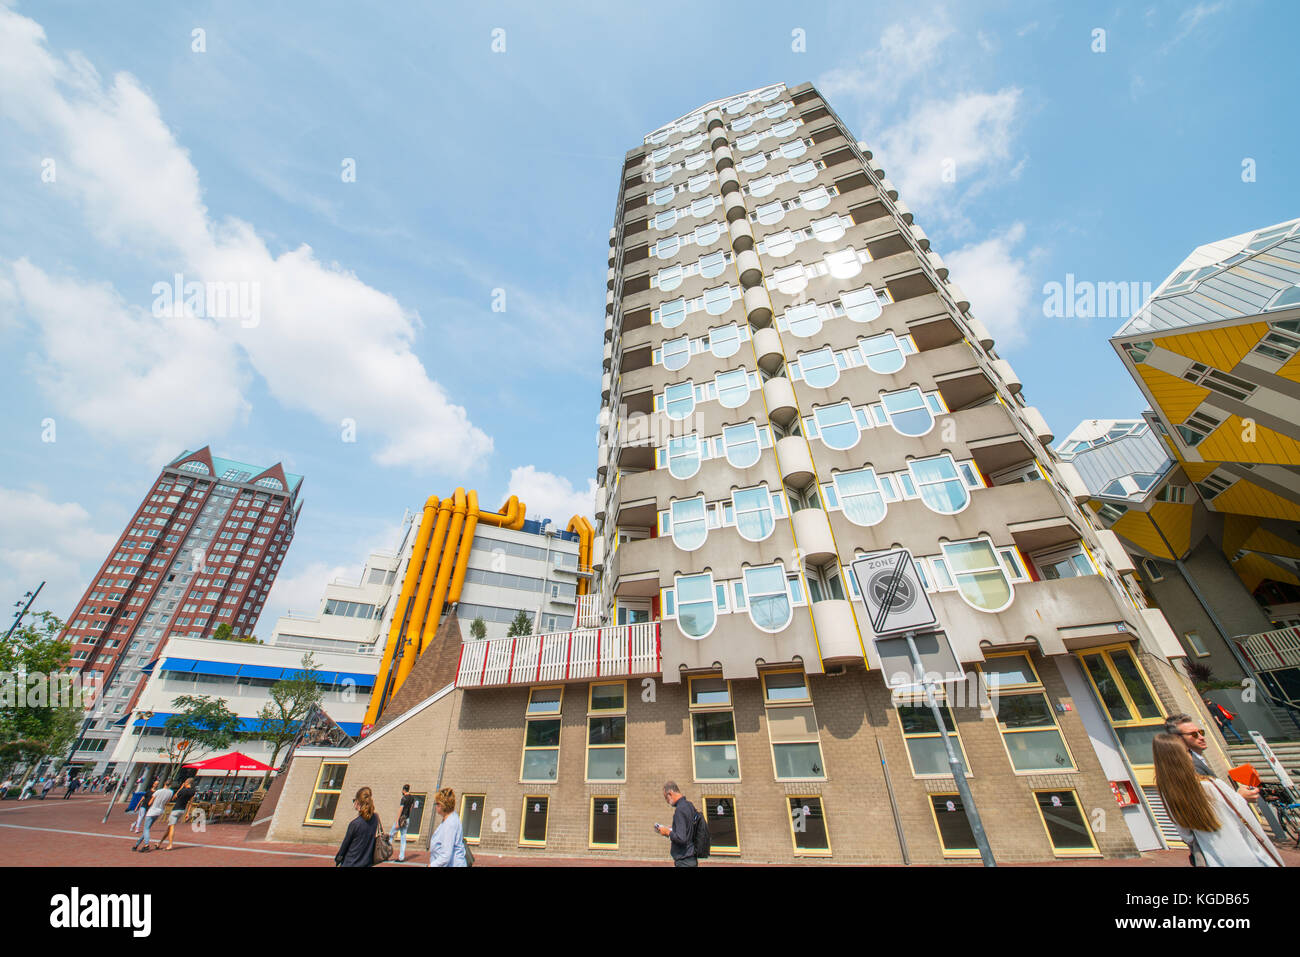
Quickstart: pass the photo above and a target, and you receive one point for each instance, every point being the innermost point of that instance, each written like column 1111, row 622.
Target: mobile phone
column 657, row 826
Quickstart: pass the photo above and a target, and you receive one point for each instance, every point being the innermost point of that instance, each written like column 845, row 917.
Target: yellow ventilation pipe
column 585, row 533
column 408, row 589
column 444, row 577
column 411, row 645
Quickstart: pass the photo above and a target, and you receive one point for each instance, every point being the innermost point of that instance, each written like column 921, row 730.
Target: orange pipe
column 412, row 577
column 585, row 533
column 444, row 575
column 466, row 543
column 410, row 646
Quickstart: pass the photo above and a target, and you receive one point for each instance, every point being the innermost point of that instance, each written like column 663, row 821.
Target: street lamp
column 130, row 765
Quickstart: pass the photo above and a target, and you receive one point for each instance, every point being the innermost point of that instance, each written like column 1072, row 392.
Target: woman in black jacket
column 358, row 847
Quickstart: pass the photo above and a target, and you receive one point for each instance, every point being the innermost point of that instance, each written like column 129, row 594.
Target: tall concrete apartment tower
column 791, row 380
column 201, row 551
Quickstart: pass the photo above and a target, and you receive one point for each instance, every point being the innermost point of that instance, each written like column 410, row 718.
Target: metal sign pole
column 954, row 762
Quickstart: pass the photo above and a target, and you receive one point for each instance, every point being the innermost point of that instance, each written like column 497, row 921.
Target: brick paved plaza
column 59, row 833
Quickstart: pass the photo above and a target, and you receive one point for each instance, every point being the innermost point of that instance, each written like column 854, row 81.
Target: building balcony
column 580, row 655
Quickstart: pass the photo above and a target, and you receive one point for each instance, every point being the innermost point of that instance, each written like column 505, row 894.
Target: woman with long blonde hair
column 447, row 847
column 358, row 847
column 1212, row 818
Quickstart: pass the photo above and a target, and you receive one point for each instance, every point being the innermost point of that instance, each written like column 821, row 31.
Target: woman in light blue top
column 447, row 848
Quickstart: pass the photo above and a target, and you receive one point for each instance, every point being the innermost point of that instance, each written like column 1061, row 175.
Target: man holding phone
column 1193, row 736
column 682, row 834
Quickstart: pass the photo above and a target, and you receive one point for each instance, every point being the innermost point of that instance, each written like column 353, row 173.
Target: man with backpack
column 689, row 834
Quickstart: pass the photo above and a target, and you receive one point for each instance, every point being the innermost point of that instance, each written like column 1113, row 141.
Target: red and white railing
column 1270, row 650
column 579, row 655
column 588, row 611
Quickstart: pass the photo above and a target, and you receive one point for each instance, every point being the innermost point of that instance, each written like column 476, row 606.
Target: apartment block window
column 603, row 831
column 688, row 524
column 792, row 727
column 1067, row 827
column 532, row 827
column 770, row 606
column 1069, row 562
column 694, row 598
column 713, row 730
column 955, row 835
column 1193, row 641
column 325, row 796
column 910, row 412
column 1025, row 716
column 1130, row 704
column 471, row 821
column 925, row 747
column 979, row 575
column 607, row 732
column 942, row 488
column 724, row 828
column 808, row 826
column 541, row 760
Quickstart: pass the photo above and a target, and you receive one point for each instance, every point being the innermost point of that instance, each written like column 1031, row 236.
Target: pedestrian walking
column 142, row 808
column 157, row 801
column 1215, row 821
column 47, row 783
column 403, row 819
column 73, row 781
column 180, row 805
column 358, row 847
column 27, row 789
column 447, row 847
column 4, row 788
column 682, row 833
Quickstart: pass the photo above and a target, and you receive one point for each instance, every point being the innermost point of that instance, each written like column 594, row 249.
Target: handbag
column 383, row 844
column 1268, row 847
column 469, row 855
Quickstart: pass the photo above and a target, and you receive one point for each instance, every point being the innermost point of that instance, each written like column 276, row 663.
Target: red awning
column 234, row 761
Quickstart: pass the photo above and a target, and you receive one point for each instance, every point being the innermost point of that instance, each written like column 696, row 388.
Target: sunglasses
column 1198, row 733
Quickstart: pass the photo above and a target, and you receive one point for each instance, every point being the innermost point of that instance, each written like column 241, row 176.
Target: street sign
column 892, row 591
column 1283, row 778
column 938, row 661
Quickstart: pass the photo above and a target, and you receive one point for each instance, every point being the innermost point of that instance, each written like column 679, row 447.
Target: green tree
column 478, row 629
column 201, row 724
column 522, row 625
column 292, row 698
column 224, row 632
column 39, row 710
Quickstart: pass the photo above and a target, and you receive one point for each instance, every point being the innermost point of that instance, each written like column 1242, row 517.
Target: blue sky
column 478, row 171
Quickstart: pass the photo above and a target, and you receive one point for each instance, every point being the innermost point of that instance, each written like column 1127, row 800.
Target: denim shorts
column 174, row 818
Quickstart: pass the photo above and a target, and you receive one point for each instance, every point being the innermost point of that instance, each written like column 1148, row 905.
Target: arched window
column 665, row 220
column 679, row 400
column 733, row 388
column 763, row 186
column 776, row 109
column 671, row 314
column 837, row 426
column 771, row 213
column 687, row 520
column 815, row 198
column 696, row 611
column 753, row 510
column 704, row 205
column 790, row 279
column 779, row 244
column 784, row 128
column 804, row 319
column 827, row 230
column 667, row 248
column 843, row 264
column 819, row 368
column 664, row 194
column 198, row 467
column 885, row 353
column 683, row 456
column 941, row 488
column 908, row 412
column 768, row 597
column 980, row 577
column 713, row 264
column 860, row 496
column 861, row 305
column 670, row 277
column 724, row 341
column 707, row 234
column 803, row 172
column 717, row 300
column 741, row 444
column 676, row 353
column 752, row 164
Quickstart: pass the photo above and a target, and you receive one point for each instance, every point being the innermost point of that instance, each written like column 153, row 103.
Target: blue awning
column 157, row 721
column 361, row 680
column 178, row 664
column 216, row 667
column 350, row 728
column 260, row 671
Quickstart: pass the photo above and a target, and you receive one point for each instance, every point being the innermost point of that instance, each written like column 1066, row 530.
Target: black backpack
column 702, row 841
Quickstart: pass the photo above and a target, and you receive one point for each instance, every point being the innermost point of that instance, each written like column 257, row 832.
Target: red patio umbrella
column 230, row 763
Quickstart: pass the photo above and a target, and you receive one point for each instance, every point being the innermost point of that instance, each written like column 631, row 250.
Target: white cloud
column 301, row 593
column 126, row 375
column 326, row 342
column 997, row 283
column 886, row 70
column 968, row 134
column 41, row 539
column 551, row 496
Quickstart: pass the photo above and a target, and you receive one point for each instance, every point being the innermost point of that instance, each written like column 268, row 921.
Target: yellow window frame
column 718, row 849
column 593, row 712
column 1034, row 687
column 794, row 837
column 317, row 789
column 557, row 715
column 424, row 806
column 919, row 702
column 523, row 820
column 591, row 821
column 1092, row 851
column 464, row 798
column 958, row 853
column 790, row 704
column 1119, row 684
column 695, row 709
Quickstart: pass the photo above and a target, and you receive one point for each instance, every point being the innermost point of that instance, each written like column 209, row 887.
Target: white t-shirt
column 160, row 799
